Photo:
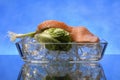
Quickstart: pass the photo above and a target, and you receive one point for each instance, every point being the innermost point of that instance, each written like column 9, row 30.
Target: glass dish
column 32, row 51
column 62, row 71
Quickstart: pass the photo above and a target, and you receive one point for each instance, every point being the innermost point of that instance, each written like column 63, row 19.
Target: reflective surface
column 62, row 71
column 13, row 68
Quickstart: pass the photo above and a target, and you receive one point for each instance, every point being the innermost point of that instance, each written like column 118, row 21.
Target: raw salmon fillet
column 78, row 34
column 82, row 34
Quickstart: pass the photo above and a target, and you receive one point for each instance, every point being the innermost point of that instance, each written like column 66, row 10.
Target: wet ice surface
column 90, row 51
column 62, row 71
column 31, row 50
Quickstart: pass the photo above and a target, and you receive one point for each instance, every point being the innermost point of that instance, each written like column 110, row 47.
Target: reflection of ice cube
column 88, row 71
column 32, row 72
column 75, row 71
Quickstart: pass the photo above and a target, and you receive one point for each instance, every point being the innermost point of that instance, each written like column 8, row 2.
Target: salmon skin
column 53, row 24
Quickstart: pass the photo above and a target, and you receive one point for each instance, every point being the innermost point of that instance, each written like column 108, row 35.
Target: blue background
column 101, row 17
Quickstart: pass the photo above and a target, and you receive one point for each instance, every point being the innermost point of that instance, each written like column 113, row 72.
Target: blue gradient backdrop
column 102, row 17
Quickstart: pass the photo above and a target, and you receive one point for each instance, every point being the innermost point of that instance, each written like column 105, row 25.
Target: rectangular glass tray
column 32, row 51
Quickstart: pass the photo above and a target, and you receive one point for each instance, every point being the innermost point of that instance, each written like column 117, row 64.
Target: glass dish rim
column 100, row 42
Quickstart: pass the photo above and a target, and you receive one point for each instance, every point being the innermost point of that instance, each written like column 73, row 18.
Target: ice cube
column 89, row 51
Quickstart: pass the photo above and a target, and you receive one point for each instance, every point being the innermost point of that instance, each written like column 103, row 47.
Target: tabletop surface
column 11, row 66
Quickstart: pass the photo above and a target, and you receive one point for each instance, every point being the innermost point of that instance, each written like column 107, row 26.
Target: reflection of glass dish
column 32, row 51
column 62, row 71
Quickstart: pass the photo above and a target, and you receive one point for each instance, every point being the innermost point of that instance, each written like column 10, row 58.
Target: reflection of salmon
column 82, row 34
column 53, row 24
column 78, row 34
